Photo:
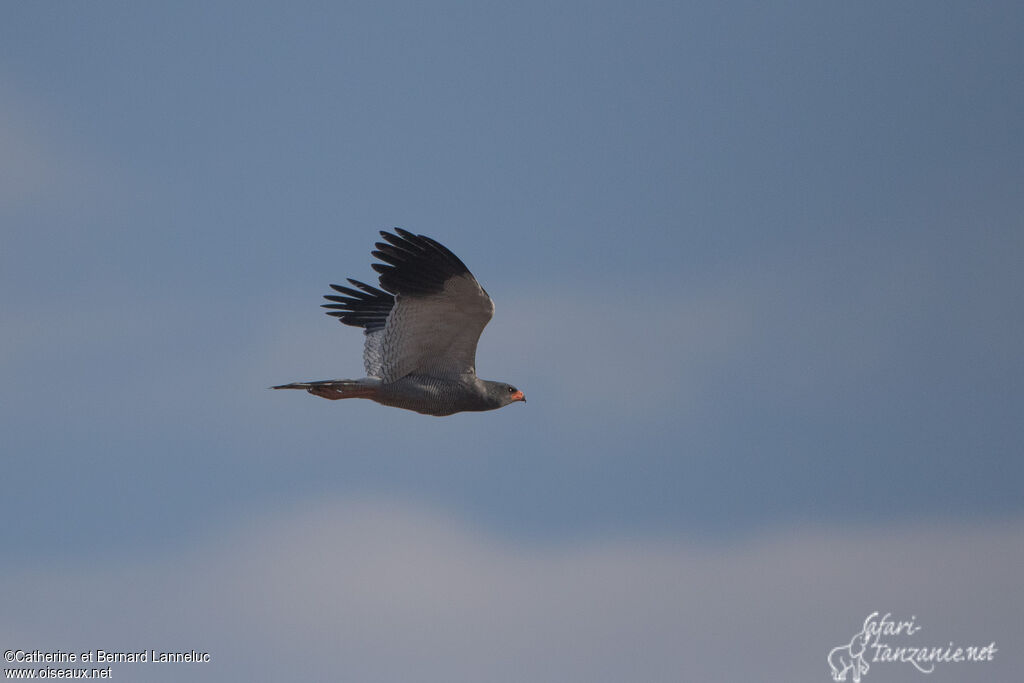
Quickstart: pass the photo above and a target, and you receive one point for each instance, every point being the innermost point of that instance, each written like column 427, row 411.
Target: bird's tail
column 334, row 389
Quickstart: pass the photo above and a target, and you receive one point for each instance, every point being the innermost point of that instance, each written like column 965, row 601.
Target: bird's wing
column 366, row 307
column 429, row 317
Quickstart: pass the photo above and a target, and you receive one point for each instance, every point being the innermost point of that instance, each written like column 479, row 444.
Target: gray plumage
column 422, row 328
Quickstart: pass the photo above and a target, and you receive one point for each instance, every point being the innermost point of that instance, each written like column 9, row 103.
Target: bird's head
column 503, row 394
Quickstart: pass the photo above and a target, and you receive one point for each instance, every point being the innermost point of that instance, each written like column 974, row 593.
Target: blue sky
column 757, row 268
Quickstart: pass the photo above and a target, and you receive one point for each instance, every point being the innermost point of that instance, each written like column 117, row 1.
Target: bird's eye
column 511, row 390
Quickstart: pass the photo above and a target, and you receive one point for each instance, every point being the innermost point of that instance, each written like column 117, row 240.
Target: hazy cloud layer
column 378, row 591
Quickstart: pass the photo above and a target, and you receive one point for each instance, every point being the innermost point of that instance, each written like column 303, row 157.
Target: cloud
column 619, row 352
column 42, row 166
column 27, row 164
column 386, row 591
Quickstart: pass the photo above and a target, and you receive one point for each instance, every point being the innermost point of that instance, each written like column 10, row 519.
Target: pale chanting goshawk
column 421, row 330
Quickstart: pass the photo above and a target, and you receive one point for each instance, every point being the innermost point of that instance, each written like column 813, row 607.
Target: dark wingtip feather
column 411, row 265
column 415, row 265
column 366, row 307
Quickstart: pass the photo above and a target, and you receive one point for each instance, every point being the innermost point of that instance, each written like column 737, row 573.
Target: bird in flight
column 421, row 331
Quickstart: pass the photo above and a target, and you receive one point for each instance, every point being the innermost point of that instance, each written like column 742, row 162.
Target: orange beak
column 519, row 396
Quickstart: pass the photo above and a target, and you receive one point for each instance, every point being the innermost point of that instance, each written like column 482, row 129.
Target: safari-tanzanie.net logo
column 883, row 640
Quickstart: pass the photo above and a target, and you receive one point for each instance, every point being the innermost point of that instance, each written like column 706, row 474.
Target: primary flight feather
column 421, row 327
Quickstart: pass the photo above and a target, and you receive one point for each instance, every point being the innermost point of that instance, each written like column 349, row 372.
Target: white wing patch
column 373, row 353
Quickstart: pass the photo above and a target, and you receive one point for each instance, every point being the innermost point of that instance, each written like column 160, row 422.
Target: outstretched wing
column 429, row 317
column 367, row 307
